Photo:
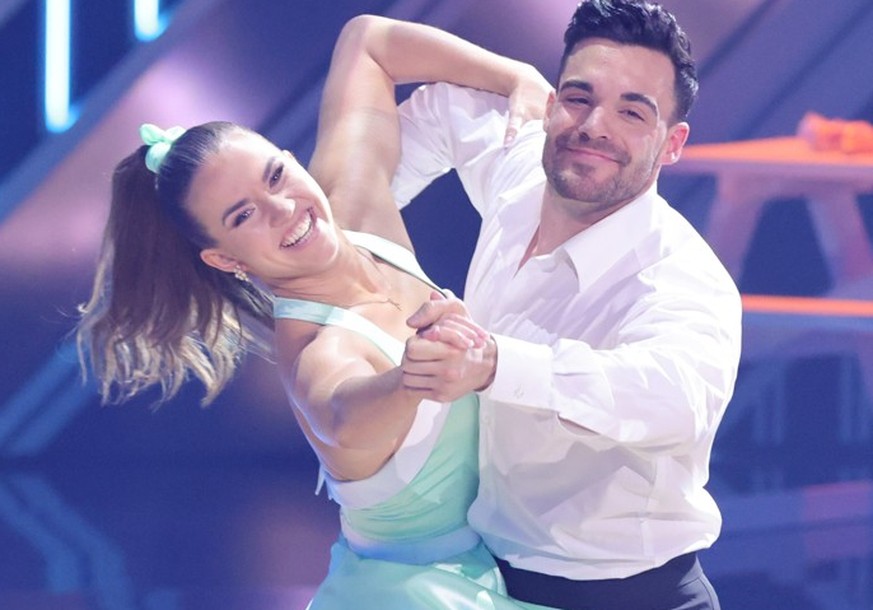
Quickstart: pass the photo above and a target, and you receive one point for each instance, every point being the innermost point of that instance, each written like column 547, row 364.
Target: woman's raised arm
column 357, row 148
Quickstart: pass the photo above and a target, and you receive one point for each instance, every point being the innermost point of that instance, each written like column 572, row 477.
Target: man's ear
column 677, row 135
column 216, row 258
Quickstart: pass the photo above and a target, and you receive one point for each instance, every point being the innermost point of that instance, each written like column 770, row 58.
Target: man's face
column 607, row 127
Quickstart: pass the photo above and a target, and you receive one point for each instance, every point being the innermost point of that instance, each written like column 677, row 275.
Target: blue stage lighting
column 148, row 24
column 59, row 116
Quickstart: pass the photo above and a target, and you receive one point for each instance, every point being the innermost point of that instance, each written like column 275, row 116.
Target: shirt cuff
column 523, row 375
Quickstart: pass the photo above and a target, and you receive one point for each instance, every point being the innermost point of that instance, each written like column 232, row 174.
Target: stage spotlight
column 148, row 23
column 59, row 116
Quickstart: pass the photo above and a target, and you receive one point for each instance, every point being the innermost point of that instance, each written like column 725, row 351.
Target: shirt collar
column 595, row 250
column 519, row 215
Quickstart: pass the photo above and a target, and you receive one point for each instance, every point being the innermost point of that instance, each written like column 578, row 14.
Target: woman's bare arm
column 357, row 148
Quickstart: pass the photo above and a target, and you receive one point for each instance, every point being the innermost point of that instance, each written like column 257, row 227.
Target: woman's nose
column 280, row 211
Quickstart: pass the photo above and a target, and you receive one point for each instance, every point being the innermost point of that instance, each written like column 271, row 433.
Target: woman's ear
column 216, row 258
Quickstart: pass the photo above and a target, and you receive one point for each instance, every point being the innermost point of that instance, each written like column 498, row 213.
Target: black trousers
column 680, row 584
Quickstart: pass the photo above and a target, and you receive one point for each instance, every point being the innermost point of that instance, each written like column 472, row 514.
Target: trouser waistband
column 656, row 588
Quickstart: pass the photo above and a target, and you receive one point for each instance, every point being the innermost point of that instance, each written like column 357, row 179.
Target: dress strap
column 328, row 315
column 391, row 253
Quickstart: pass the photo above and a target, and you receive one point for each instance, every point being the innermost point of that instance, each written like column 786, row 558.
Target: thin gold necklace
column 383, row 301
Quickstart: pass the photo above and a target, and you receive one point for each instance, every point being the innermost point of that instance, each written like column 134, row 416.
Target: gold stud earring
column 239, row 274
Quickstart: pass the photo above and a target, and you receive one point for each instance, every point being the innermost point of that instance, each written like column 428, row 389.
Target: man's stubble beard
column 584, row 196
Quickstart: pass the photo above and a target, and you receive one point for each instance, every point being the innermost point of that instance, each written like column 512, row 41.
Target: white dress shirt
column 617, row 355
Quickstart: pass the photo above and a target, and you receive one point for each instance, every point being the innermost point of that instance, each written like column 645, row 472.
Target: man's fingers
column 425, row 382
column 454, row 331
column 423, row 349
column 431, row 311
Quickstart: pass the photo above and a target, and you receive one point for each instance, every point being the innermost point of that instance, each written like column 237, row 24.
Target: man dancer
column 616, row 328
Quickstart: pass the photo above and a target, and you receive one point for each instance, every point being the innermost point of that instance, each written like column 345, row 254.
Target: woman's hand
column 527, row 102
column 450, row 355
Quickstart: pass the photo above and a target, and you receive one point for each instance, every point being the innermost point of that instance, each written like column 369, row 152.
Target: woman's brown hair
column 157, row 312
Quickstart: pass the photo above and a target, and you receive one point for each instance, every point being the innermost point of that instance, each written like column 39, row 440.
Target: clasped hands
column 450, row 355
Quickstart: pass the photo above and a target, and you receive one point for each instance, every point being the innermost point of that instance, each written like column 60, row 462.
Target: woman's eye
column 241, row 217
column 276, row 175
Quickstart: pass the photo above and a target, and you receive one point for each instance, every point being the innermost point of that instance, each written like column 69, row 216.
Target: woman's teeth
column 300, row 231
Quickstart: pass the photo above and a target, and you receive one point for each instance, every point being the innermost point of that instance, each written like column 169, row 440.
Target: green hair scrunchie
column 159, row 143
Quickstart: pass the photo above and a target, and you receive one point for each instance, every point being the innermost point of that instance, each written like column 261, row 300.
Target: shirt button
column 518, row 392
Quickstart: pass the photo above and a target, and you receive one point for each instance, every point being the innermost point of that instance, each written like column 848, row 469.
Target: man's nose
column 596, row 124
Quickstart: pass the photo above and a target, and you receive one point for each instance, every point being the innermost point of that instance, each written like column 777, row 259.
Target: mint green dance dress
column 405, row 543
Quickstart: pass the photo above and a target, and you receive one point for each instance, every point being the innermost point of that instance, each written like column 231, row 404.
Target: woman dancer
column 214, row 231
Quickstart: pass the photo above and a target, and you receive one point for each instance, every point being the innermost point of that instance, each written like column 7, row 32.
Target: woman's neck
column 354, row 278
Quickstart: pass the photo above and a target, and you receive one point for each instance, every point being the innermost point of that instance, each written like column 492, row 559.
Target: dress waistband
column 423, row 551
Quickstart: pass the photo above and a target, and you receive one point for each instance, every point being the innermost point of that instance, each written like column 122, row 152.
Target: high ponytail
column 157, row 313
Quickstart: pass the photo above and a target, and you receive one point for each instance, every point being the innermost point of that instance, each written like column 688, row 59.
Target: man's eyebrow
column 643, row 99
column 576, row 84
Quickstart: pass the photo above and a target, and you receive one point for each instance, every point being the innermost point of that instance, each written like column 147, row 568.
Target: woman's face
column 265, row 212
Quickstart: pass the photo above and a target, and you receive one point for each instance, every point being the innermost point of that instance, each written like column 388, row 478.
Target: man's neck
column 562, row 219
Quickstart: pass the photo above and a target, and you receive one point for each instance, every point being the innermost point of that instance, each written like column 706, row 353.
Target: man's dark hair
column 640, row 23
